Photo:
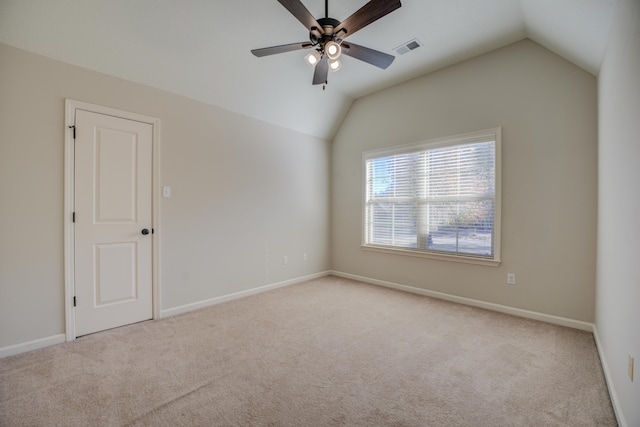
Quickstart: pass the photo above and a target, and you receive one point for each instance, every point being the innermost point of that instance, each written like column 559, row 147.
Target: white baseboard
column 617, row 408
column 230, row 297
column 556, row 320
column 31, row 345
column 61, row 338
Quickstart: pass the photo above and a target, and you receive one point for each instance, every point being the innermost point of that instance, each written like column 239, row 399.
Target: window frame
column 494, row 134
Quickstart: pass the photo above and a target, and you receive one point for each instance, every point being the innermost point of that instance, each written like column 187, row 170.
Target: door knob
column 145, row 231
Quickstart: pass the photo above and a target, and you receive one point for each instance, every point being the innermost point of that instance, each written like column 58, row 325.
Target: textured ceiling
column 201, row 48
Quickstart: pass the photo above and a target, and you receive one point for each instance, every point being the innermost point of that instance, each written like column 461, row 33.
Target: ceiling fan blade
column 321, row 72
column 367, row 14
column 265, row 51
column 371, row 56
column 303, row 15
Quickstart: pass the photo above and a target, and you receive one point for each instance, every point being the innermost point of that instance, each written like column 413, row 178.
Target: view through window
column 435, row 197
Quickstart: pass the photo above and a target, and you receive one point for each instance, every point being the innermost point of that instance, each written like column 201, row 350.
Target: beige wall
column 547, row 109
column 618, row 276
column 244, row 193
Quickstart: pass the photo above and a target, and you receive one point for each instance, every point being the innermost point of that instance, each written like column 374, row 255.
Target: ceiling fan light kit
column 326, row 37
column 312, row 58
column 335, row 65
column 333, row 50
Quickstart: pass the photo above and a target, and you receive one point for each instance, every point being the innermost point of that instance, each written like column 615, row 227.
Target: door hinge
column 74, row 131
column 73, row 218
column 74, row 301
column 152, row 231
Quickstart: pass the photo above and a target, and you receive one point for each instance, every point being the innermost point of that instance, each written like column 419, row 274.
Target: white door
column 113, row 246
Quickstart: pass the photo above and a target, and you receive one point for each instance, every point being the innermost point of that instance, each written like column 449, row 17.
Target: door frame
column 69, row 202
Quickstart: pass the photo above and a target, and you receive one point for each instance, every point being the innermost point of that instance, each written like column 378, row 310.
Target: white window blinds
column 435, row 197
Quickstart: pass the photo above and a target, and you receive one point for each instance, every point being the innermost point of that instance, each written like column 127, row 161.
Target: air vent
column 408, row 46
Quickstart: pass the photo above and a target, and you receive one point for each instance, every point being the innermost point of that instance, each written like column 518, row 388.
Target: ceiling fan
column 326, row 37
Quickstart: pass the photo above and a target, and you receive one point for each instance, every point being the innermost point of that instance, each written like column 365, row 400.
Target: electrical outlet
column 304, row 257
column 511, row 278
column 285, row 260
column 631, row 367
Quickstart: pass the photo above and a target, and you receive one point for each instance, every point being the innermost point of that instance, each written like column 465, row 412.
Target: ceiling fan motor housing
column 328, row 24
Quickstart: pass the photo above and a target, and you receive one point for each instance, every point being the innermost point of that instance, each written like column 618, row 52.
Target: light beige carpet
column 326, row 352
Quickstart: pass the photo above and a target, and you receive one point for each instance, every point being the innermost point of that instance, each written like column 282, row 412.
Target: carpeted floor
column 326, row 352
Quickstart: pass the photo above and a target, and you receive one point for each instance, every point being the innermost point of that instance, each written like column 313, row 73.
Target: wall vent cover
column 408, row 46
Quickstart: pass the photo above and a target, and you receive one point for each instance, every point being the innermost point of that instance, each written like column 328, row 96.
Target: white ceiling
column 201, row 48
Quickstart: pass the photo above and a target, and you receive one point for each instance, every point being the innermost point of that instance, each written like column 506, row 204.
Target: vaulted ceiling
column 201, row 48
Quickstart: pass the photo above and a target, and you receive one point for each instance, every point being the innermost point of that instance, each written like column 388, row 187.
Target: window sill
column 433, row 255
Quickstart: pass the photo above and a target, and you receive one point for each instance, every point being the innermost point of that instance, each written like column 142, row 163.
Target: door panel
column 116, row 273
column 116, row 190
column 113, row 267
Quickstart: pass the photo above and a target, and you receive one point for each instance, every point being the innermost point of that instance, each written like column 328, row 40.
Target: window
column 438, row 198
